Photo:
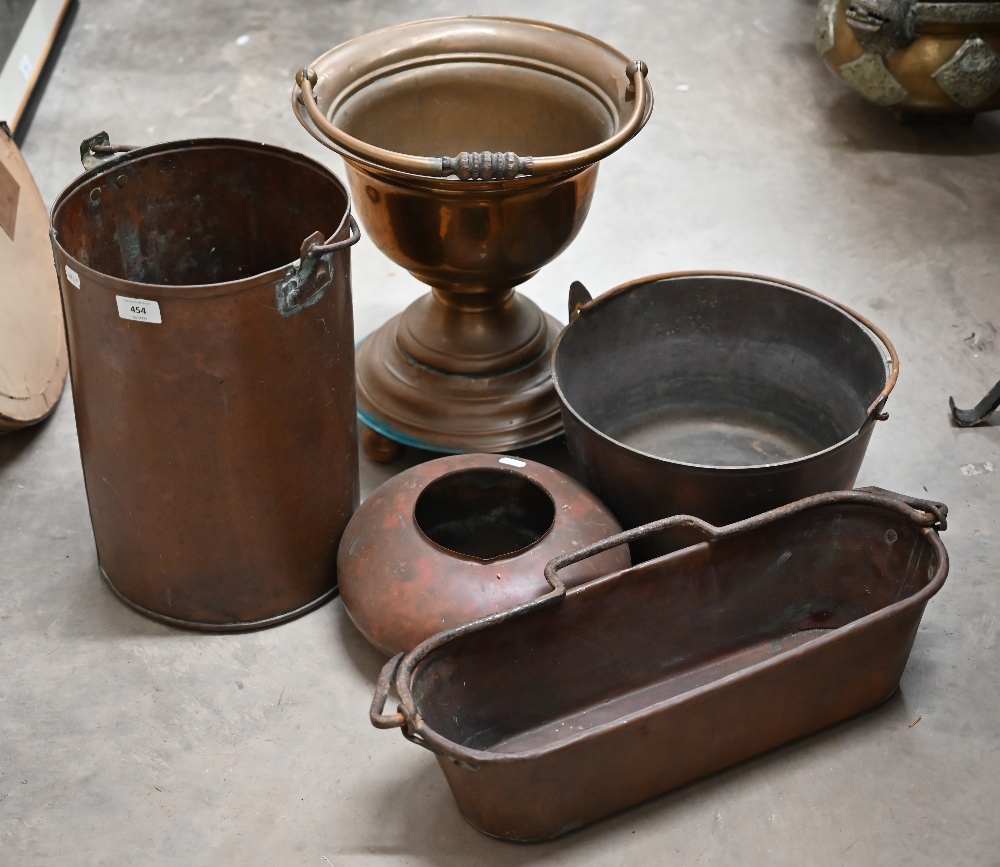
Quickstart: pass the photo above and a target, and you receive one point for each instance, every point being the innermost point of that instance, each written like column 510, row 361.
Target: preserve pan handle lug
column 315, row 264
column 98, row 150
column 688, row 521
column 379, row 719
column 579, row 298
column 937, row 510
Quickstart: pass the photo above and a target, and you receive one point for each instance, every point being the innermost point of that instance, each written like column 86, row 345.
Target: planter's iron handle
column 315, row 264
column 936, row 516
column 579, row 298
column 936, row 511
column 485, row 165
column 98, row 150
column 553, row 566
column 398, row 720
column 380, row 719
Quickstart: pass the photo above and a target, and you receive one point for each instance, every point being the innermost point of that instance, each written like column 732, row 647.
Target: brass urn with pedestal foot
column 465, row 368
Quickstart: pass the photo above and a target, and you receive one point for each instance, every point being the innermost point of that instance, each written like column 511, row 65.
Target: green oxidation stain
column 127, row 238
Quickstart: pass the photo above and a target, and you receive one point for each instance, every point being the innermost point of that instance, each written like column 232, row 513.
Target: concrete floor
column 124, row 742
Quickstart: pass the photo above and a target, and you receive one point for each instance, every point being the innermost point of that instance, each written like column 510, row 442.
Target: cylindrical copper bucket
column 213, row 375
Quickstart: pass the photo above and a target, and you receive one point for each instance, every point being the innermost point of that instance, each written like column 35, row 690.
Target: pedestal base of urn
column 417, row 405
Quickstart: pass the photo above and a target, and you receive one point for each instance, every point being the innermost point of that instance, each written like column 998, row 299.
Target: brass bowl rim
column 325, row 60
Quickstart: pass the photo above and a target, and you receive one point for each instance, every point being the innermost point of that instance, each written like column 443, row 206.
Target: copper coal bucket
column 471, row 147
column 206, row 288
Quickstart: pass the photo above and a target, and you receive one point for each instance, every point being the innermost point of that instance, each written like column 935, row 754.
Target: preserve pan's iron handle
column 553, row 566
column 579, row 297
column 484, row 165
column 315, row 262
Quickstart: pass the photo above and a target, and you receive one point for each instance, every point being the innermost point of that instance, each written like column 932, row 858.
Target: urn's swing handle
column 484, row 165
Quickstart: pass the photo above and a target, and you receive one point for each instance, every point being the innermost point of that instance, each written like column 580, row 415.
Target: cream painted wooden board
column 32, row 342
column 24, row 64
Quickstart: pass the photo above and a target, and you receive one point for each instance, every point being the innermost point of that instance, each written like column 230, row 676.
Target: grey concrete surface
column 124, row 742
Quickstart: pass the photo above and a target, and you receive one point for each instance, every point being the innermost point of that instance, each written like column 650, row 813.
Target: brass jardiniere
column 465, row 367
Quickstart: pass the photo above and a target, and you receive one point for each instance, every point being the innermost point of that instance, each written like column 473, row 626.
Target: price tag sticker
column 138, row 310
column 73, row 277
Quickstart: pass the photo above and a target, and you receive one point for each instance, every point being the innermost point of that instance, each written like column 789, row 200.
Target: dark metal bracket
column 980, row 412
column 306, row 282
column 98, row 150
column 579, row 298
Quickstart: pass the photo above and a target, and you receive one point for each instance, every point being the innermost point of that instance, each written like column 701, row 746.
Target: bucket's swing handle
column 688, row 521
column 98, row 150
column 315, row 262
column 484, row 165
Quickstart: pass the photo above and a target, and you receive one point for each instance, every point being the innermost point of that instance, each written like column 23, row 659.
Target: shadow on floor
column 435, row 833
column 867, row 127
column 17, row 443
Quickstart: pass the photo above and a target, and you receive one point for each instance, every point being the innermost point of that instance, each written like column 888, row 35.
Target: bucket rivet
column 95, row 194
column 121, row 181
column 890, row 536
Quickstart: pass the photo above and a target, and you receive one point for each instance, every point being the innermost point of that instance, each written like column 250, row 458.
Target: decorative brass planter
column 914, row 57
column 466, row 367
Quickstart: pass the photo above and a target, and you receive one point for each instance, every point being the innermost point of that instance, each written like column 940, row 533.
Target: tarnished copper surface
column 586, row 701
column 219, row 445
column 457, row 538
column 464, row 368
column 717, row 395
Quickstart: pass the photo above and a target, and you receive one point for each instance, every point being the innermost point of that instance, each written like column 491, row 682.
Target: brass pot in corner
column 914, row 57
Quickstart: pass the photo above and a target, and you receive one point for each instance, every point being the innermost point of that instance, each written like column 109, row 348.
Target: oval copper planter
column 213, row 377
column 589, row 700
column 457, row 538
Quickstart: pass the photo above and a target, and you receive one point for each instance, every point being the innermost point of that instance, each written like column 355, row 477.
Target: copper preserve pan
column 212, row 359
column 586, row 701
column 716, row 394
